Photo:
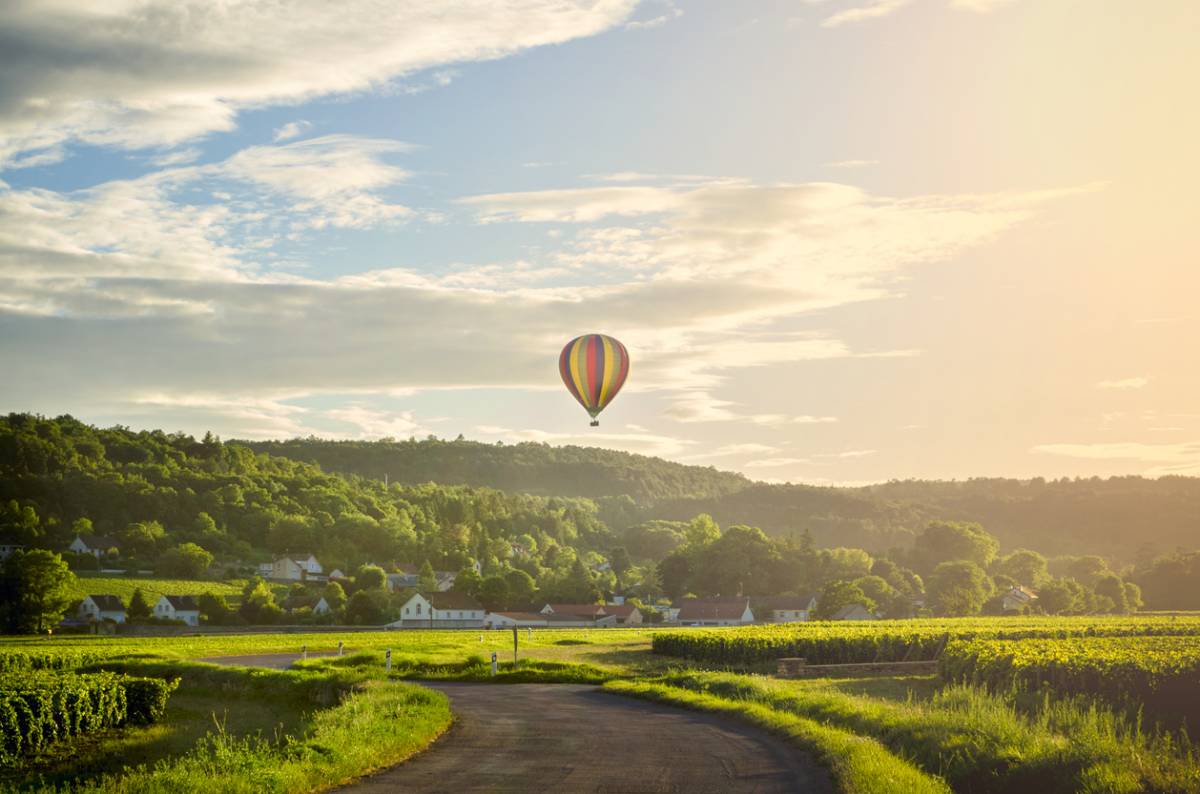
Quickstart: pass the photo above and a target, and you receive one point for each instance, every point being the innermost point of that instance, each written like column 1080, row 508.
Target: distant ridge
column 1121, row 517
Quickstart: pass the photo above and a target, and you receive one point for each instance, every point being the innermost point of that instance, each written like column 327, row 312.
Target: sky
column 844, row 241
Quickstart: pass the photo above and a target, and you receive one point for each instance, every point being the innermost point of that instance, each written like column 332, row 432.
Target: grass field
column 873, row 733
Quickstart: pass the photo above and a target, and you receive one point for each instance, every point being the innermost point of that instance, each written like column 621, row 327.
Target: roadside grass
column 858, row 764
column 473, row 668
column 981, row 742
column 233, row 729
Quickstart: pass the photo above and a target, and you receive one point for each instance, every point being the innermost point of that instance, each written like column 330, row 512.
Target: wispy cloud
column 162, row 72
column 1181, row 459
column 668, row 11
column 851, row 163
column 774, row 463
column 293, row 129
column 872, row 10
column 1123, row 384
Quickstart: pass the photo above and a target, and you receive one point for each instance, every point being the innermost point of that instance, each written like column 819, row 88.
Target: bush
column 146, row 698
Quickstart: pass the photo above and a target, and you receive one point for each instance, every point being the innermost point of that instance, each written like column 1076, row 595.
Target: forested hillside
column 529, row 467
column 1127, row 518
column 152, row 491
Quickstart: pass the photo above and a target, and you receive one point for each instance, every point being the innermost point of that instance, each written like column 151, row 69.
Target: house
column 788, row 609
column 265, row 569
column 96, row 545
column 586, row 615
column 102, row 607
column 715, row 611
column 1017, row 598
column 590, row 611
column 9, row 549
column 854, row 612
column 296, row 568
column 410, row 577
column 336, row 573
column 439, row 611
column 511, row 620
column 178, row 607
column 626, row 614
column 322, row 607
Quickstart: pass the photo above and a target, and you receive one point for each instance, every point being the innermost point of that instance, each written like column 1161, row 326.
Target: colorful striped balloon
column 594, row 367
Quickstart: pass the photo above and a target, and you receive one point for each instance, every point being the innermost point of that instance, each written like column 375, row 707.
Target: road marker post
column 515, row 635
column 304, row 652
column 388, row 660
column 339, row 647
column 493, row 663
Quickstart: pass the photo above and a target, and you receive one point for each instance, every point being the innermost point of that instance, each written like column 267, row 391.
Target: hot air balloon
column 593, row 367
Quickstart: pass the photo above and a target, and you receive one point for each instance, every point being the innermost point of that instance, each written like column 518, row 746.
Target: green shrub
column 146, row 698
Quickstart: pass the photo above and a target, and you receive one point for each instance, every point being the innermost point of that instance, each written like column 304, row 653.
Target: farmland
column 1031, row 704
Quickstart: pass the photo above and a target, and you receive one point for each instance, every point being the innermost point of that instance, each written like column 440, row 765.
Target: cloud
column 669, row 12
column 1123, row 384
column 979, row 6
column 161, row 72
column 853, row 453
column 293, row 129
column 1179, row 459
column 136, row 283
column 851, row 163
column 772, row 463
column 872, row 10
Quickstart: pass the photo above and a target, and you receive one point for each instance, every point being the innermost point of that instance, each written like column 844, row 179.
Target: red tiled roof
column 712, row 609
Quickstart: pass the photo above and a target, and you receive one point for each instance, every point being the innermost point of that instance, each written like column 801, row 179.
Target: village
column 442, row 606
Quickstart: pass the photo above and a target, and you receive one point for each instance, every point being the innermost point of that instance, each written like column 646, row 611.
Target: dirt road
column 562, row 738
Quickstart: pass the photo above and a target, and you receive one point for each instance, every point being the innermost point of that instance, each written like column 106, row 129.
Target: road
column 567, row 738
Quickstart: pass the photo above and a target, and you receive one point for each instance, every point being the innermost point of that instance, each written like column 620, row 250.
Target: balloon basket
column 595, row 423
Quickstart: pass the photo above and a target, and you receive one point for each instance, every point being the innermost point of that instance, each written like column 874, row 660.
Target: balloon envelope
column 593, row 367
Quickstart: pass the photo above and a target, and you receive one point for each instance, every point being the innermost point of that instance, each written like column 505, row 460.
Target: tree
column 619, row 559
column 876, row 589
column 370, row 577
column 493, row 593
column 214, row 609
column 368, row 608
column 1086, row 570
column 142, row 537
column 426, row 578
column 35, row 591
column 958, row 588
column 1110, row 586
column 139, row 608
column 845, row 564
column 1025, row 567
column 467, row 581
column 522, row 589
column 836, row 595
column 674, row 574
column 735, row 564
column 949, row 541
column 188, row 561
column 335, row 597
column 1133, row 596
column 258, row 604
column 1062, row 597
column 701, row 531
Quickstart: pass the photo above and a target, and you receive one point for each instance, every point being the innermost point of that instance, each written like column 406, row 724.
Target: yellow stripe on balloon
column 579, row 384
column 610, row 368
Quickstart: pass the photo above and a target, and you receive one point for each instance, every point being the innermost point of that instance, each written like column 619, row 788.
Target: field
column 123, row 587
column 1036, row 705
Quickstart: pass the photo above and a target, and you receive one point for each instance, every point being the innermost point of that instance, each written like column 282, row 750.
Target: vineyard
column 1162, row 672
column 893, row 641
column 40, row 708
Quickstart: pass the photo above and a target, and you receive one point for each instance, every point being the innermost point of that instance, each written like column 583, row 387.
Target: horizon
column 833, row 260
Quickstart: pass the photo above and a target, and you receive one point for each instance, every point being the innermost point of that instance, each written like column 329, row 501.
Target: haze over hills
column 1122, row 517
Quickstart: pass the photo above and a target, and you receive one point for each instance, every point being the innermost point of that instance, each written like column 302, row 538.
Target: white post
column 339, row 647
column 304, row 652
column 493, row 662
column 388, row 658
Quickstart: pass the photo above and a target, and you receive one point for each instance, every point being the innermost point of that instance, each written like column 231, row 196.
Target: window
column 418, row 608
